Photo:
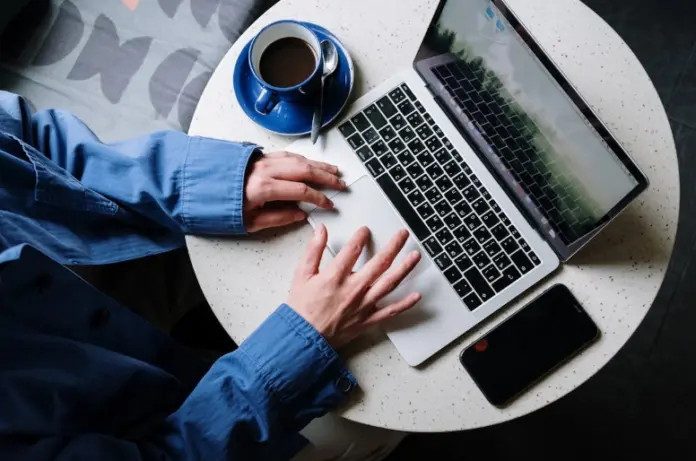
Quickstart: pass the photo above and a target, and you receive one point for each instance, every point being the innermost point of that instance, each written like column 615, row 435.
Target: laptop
column 491, row 159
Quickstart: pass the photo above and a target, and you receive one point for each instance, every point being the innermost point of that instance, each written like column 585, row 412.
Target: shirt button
column 100, row 318
column 43, row 283
column 344, row 384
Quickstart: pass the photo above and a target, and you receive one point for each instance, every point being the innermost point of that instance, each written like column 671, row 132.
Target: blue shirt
column 82, row 377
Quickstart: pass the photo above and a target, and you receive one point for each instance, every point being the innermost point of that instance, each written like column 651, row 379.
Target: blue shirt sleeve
column 186, row 184
column 250, row 405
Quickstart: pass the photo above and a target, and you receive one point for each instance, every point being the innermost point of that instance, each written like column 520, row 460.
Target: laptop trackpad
column 363, row 204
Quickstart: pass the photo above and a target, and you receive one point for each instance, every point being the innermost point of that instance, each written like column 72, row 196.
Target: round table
column 616, row 278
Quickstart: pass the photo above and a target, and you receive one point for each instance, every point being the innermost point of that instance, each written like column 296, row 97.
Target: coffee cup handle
column 266, row 101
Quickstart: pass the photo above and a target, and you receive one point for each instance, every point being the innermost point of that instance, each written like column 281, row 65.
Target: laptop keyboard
column 460, row 225
column 512, row 139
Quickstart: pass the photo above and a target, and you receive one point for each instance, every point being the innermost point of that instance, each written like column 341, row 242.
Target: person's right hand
column 341, row 304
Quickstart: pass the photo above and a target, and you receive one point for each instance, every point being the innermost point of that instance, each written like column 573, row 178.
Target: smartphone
column 529, row 345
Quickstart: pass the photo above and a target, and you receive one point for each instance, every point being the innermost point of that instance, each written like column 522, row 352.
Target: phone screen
column 528, row 345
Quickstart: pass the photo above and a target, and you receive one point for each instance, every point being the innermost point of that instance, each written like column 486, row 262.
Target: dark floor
column 642, row 405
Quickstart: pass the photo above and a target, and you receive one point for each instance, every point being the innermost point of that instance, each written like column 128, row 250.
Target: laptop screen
column 529, row 123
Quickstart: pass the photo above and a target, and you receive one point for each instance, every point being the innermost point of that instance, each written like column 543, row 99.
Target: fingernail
column 414, row 254
column 300, row 216
column 415, row 297
column 343, row 183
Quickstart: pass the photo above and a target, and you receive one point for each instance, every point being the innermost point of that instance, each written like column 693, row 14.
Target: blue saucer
column 292, row 118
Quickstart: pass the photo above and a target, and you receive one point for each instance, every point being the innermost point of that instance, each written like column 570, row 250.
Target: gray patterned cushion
column 126, row 67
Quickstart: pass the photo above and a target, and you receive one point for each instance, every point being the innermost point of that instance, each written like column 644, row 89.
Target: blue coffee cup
column 270, row 95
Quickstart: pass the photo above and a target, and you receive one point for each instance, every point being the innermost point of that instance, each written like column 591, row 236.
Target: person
column 82, row 377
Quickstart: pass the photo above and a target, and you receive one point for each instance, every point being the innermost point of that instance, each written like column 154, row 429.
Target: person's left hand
column 277, row 181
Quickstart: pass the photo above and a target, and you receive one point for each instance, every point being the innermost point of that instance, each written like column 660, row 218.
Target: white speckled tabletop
column 616, row 278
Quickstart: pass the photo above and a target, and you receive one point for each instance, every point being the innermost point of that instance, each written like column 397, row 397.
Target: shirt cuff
column 297, row 364
column 213, row 186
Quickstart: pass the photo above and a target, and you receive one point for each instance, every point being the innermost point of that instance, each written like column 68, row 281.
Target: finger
column 297, row 170
column 383, row 260
column 266, row 218
column 343, row 263
column 392, row 310
column 289, row 191
column 309, row 265
column 391, row 280
column 333, row 169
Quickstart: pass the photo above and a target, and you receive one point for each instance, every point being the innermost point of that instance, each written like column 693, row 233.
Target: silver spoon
column 328, row 49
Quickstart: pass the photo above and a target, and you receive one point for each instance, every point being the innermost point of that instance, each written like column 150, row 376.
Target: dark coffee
column 287, row 62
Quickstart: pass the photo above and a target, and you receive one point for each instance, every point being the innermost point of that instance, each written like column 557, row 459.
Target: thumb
column 266, row 218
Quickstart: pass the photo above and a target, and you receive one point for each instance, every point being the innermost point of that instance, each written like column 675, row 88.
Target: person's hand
column 278, row 180
column 341, row 304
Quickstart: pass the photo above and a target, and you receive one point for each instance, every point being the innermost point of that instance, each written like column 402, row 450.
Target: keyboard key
column 429, row 119
column 463, row 209
column 452, row 221
column 424, row 131
column 433, row 144
column 446, row 142
column 471, row 194
column 534, row 258
column 453, row 274
column 416, row 198
column 442, row 156
column 443, row 261
column 397, row 173
column 416, row 146
column 453, row 196
column 462, row 181
column 375, row 117
column 424, row 182
column 398, row 122
column 485, row 194
column 434, row 223
column 471, row 247
column 500, row 232
column 388, row 161
column 433, row 195
column 462, row 234
column 420, row 107
column 356, row 141
column 525, row 246
column 406, row 158
column 472, row 301
column 407, row 186
column 509, row 276
column 482, row 235
column 386, row 106
column 365, row 153
column 434, row 171
column 481, row 260
column 472, row 221
column 491, row 274
column 374, row 167
column 380, row 148
column 406, row 107
column 425, row 210
column 444, row 236
column 360, row 122
column 425, row 158
column 397, row 95
column 463, row 262
column 442, row 208
column 510, row 245
column 490, row 219
column 432, row 246
column 462, row 288
column 403, row 207
column 479, row 284
column 501, row 261
column 452, row 169
column 415, row 170
column 347, row 129
column 455, row 155
column 396, row 145
column 480, row 206
column 415, row 120
column 444, row 183
column 522, row 261
column 387, row 133
column 408, row 92
column 407, row 134
column 453, row 249
column 475, row 181
column 491, row 248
